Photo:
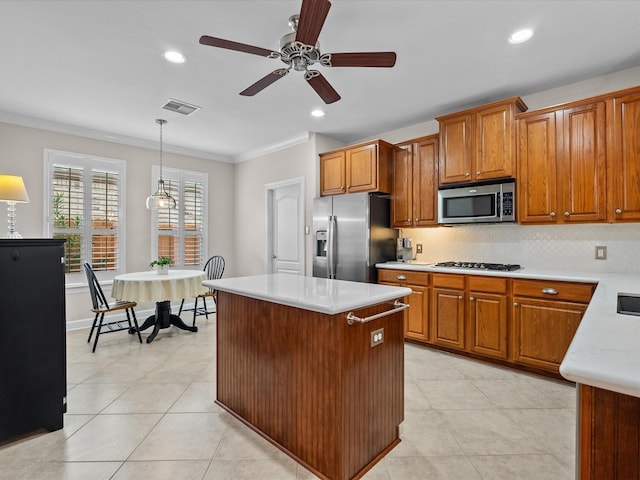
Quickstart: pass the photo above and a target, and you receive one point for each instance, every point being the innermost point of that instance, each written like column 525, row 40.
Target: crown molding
column 297, row 140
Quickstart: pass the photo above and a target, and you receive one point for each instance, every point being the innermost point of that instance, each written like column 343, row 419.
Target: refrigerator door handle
column 331, row 266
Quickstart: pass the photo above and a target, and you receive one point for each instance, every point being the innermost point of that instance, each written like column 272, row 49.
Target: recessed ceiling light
column 317, row 113
column 521, row 36
column 174, row 56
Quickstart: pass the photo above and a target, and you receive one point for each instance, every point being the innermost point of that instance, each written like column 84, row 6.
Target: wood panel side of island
column 312, row 384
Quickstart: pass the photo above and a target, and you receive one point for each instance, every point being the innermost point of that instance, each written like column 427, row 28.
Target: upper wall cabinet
column 414, row 186
column 480, row 143
column 358, row 168
column 562, row 164
column 624, row 155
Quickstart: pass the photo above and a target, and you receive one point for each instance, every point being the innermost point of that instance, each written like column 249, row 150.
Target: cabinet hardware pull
column 566, row 214
column 515, row 304
column 467, row 174
column 459, row 297
column 553, row 214
column 401, row 277
column 550, row 291
column 397, row 306
column 478, row 172
column 471, row 299
column 618, row 210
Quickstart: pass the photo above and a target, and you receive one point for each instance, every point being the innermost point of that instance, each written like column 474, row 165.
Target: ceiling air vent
column 180, row 107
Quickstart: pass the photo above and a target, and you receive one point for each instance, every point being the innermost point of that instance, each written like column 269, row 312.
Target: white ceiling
column 97, row 65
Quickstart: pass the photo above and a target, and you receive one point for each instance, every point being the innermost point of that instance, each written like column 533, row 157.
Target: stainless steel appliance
column 488, row 203
column 351, row 234
column 480, row 266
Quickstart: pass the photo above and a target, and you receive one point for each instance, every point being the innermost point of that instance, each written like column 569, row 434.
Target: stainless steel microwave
column 482, row 203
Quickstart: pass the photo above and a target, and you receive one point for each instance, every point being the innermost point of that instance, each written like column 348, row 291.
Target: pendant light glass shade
column 161, row 199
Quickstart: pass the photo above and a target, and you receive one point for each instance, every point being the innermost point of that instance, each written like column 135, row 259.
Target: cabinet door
column 494, row 149
column 362, row 169
column 447, row 320
column 456, row 144
column 332, row 173
column 582, row 165
column 625, row 165
column 402, row 187
column 537, row 169
column 488, row 324
column 543, row 330
column 418, row 313
column 425, row 183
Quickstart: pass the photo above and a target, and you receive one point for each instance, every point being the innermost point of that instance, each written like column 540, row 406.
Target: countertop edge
column 311, row 302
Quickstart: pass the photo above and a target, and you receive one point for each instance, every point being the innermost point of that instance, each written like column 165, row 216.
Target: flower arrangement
column 162, row 263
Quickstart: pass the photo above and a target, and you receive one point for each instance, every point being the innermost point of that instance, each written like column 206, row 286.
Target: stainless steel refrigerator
column 351, row 234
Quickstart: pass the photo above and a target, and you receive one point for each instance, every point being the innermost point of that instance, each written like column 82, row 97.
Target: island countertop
column 605, row 351
column 309, row 293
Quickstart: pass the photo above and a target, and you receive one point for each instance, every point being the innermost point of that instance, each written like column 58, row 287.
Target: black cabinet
column 32, row 336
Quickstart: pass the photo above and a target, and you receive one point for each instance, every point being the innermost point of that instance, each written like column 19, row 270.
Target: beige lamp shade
column 12, row 189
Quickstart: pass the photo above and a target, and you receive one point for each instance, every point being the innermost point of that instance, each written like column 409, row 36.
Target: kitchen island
column 315, row 366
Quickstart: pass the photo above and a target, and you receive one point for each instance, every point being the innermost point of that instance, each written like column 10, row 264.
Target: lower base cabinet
column 608, row 435
column 471, row 314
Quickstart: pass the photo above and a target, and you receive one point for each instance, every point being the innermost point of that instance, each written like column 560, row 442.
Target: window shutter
column 104, row 220
column 67, row 213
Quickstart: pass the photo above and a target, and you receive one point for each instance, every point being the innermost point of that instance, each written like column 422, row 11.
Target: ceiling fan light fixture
column 173, row 56
column 161, row 198
column 521, row 36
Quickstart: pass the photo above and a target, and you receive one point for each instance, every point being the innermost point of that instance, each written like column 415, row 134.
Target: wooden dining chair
column 101, row 307
column 214, row 269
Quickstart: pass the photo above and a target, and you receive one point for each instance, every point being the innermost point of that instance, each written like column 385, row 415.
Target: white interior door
column 285, row 232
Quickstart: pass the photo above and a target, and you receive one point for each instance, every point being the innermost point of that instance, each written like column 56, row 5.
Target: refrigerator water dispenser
column 321, row 243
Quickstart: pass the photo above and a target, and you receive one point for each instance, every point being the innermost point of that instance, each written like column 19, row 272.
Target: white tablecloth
column 151, row 287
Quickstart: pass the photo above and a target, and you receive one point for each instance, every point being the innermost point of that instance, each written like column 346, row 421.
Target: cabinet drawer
column 487, row 284
column 403, row 277
column 451, row 281
column 550, row 290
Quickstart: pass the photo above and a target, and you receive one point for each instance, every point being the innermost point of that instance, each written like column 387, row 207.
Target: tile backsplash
column 552, row 247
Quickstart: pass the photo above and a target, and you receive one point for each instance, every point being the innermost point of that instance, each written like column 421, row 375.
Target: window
column 85, row 206
column 180, row 233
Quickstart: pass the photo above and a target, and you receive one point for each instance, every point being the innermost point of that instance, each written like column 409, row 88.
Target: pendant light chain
column 161, row 199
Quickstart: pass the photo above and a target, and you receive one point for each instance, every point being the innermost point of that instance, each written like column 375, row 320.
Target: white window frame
column 87, row 163
column 181, row 176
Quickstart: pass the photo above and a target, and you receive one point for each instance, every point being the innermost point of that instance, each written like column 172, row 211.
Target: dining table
column 150, row 286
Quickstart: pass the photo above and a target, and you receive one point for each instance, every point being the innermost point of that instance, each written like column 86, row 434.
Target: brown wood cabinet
column 524, row 323
column 415, row 321
column 609, row 435
column 562, row 164
column 448, row 312
column 488, row 316
column 358, row 168
column 414, row 187
column 624, row 155
column 545, row 316
column 480, row 143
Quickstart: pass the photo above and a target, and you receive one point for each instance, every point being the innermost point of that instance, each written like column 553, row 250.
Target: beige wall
column 22, row 153
column 251, row 177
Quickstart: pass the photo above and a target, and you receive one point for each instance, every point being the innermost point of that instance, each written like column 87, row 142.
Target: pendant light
column 161, row 199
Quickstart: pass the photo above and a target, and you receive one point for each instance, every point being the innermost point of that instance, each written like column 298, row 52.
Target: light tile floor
column 138, row 412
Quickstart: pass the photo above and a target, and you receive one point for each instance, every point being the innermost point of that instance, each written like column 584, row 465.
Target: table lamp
column 12, row 191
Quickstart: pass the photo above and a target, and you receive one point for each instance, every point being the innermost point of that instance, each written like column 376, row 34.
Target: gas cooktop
column 479, row 266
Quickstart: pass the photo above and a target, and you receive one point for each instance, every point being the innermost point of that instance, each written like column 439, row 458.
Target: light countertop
column 605, row 351
column 310, row 293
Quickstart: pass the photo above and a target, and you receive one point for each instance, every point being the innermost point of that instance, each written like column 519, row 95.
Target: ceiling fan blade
column 321, row 86
column 361, row 59
column 264, row 82
column 239, row 47
column 312, row 16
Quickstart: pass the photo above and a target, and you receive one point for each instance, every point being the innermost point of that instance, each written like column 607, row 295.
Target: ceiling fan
column 300, row 50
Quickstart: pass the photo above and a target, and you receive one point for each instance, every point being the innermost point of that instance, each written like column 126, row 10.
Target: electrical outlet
column 418, row 248
column 377, row 337
column 601, row 253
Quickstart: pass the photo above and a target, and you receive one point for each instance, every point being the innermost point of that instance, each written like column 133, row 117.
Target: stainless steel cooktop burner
column 480, row 266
